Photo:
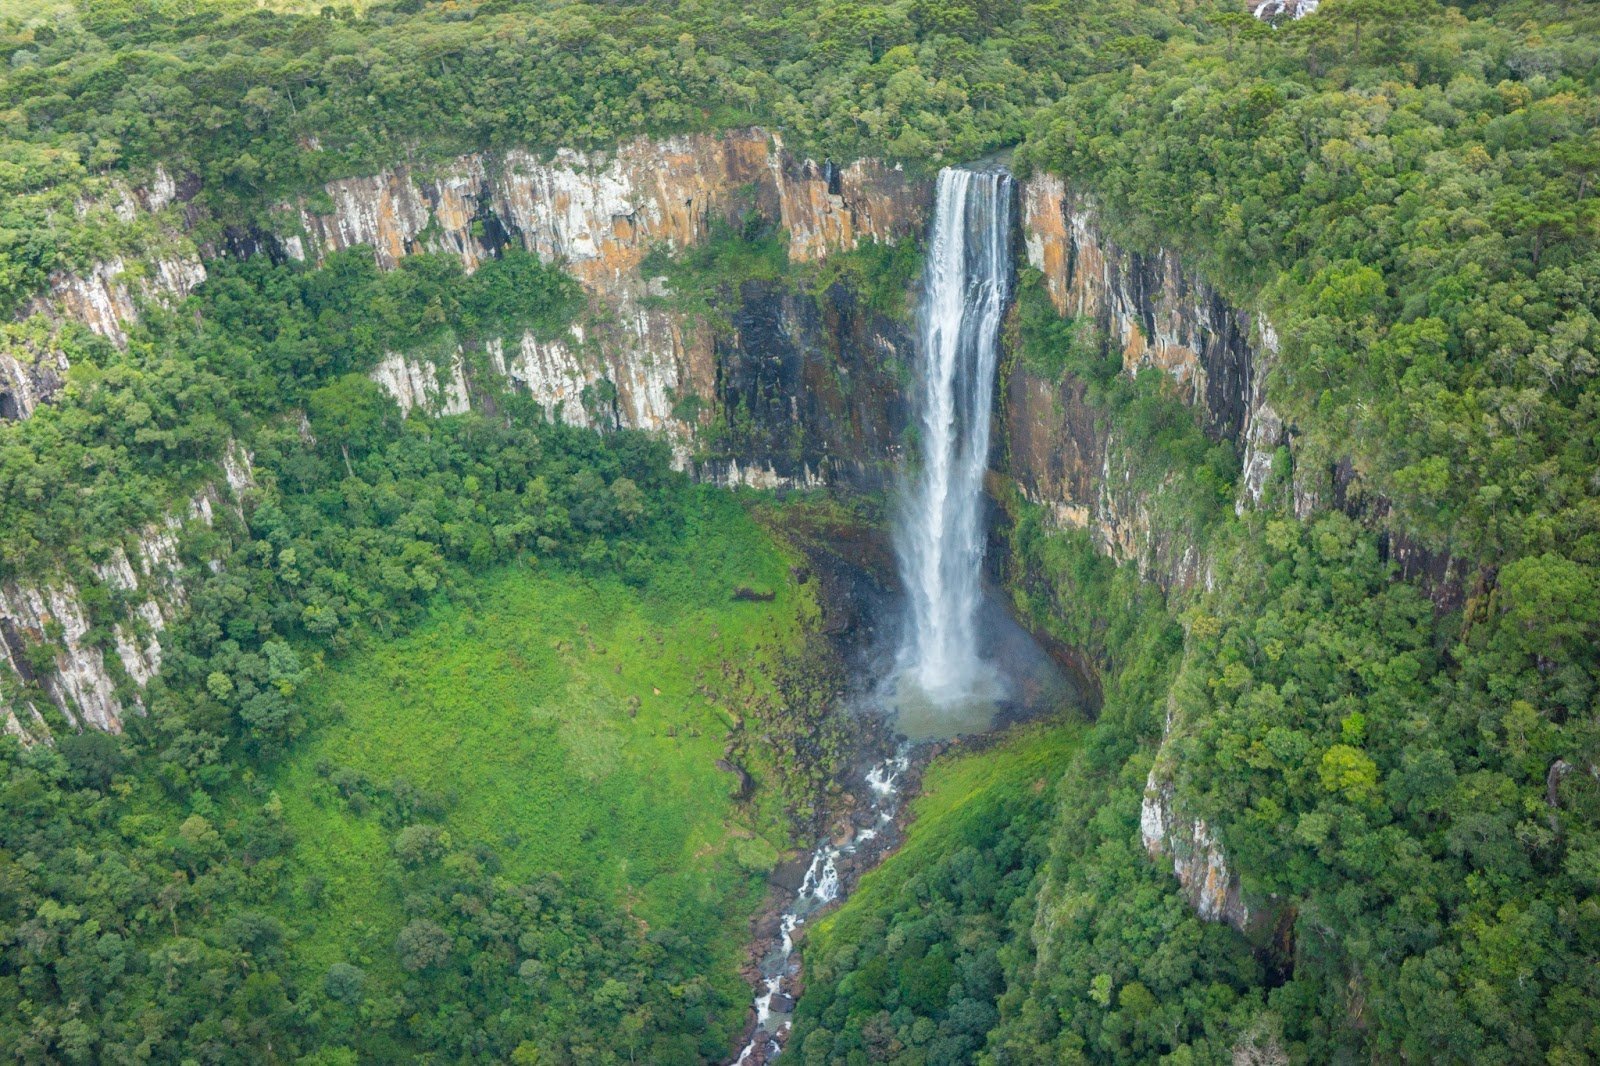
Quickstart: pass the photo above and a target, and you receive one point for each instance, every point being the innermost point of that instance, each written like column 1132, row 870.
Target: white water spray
column 939, row 528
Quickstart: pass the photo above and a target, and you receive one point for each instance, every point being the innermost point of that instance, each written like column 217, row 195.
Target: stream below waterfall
column 1035, row 686
column 964, row 667
column 821, row 886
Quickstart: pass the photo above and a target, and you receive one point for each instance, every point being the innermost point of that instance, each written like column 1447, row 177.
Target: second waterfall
column 939, row 528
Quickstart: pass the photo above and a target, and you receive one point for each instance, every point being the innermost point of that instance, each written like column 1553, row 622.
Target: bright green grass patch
column 560, row 721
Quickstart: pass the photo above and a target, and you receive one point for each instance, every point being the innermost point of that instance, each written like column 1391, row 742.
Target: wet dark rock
column 745, row 594
column 817, row 377
column 781, row 1004
column 768, row 927
column 790, row 875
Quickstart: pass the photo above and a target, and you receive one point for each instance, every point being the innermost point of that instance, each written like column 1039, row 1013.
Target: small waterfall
column 939, row 531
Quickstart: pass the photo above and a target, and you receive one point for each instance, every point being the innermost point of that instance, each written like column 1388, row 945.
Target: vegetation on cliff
column 1402, row 773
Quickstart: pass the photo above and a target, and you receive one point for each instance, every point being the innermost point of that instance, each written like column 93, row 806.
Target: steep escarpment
column 599, row 215
column 1144, row 312
column 798, row 387
column 1098, row 456
column 811, row 389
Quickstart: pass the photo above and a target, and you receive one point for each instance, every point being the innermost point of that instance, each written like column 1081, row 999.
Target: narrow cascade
column 939, row 531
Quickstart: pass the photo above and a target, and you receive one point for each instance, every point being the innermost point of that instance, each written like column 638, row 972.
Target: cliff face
column 814, row 378
column 163, row 264
column 599, row 214
column 1151, row 309
column 90, row 663
column 1153, row 312
column 810, row 389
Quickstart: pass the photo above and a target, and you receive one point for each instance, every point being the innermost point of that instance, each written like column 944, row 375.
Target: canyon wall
column 1151, row 312
column 599, row 215
column 796, row 389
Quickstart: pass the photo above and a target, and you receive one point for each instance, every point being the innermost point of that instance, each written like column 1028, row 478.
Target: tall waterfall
column 939, row 534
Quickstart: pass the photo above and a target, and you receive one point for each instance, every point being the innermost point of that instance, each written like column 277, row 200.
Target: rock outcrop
column 1197, row 856
column 91, row 663
column 160, row 263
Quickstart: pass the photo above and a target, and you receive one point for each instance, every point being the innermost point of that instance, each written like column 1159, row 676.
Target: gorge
column 558, row 533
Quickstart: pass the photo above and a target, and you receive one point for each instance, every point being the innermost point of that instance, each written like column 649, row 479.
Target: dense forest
column 283, row 859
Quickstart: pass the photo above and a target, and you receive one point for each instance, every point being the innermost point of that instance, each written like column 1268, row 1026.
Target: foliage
column 908, row 969
column 1421, row 214
column 138, row 429
column 544, row 746
column 260, row 102
column 228, row 902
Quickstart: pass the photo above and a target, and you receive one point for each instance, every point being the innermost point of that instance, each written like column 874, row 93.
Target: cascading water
column 943, row 685
column 939, row 535
column 820, row 888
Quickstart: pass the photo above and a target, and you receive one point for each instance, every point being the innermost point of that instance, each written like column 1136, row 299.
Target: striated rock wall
column 598, row 214
column 106, row 296
column 1154, row 313
column 417, row 383
column 1150, row 308
column 810, row 389
column 90, row 668
column 30, row 374
column 162, row 262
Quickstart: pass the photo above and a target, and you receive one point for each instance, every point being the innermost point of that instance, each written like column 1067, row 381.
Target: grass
column 563, row 718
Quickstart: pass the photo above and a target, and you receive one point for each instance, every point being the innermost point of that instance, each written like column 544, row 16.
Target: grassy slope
column 517, row 708
column 962, row 795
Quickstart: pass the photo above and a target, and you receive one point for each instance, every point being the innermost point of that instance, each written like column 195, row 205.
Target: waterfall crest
column 939, row 528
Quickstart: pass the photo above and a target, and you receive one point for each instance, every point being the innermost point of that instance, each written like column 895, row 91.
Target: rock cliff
column 813, row 378
column 1063, row 453
column 599, row 214
column 810, row 389
column 1152, row 312
column 160, row 263
column 86, row 658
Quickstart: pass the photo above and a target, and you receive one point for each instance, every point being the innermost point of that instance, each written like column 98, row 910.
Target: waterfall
column 939, row 532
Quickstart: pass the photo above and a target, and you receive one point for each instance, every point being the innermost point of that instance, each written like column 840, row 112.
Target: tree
column 345, row 983
column 423, row 944
column 350, row 412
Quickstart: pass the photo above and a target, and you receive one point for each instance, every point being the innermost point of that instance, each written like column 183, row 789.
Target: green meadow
column 562, row 723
